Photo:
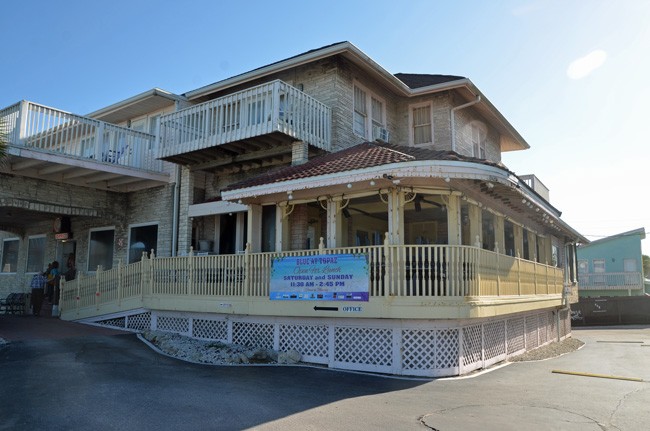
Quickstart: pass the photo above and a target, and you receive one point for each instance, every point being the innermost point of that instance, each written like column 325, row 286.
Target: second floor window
column 421, row 125
column 479, row 138
column 369, row 118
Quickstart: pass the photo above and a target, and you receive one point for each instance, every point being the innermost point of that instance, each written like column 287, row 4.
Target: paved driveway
column 110, row 382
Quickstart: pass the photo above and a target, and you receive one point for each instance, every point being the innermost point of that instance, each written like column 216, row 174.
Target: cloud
column 583, row 66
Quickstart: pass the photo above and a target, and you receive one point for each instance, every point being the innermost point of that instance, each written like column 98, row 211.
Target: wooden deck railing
column 611, row 281
column 39, row 127
column 260, row 110
column 426, row 271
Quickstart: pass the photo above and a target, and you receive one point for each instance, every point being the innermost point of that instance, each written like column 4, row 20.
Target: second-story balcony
column 610, row 281
column 253, row 124
column 55, row 145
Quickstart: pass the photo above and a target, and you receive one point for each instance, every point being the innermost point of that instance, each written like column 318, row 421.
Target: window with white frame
column 421, row 121
column 10, row 254
column 369, row 116
column 100, row 248
column 479, row 139
column 36, row 253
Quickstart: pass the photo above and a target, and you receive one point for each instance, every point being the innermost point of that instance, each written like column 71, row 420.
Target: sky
column 570, row 76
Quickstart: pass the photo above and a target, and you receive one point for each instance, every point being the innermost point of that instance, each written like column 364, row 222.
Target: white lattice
column 253, row 334
column 418, row 349
column 472, row 344
column 446, row 348
column 310, row 340
column 139, row 322
column 371, row 346
column 429, row 349
column 543, row 328
column 495, row 339
column 209, row 329
column 565, row 323
column 532, row 341
column 174, row 324
column 516, row 340
column 118, row 322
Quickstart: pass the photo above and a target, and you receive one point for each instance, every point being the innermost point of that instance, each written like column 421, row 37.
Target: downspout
column 453, row 119
column 175, row 216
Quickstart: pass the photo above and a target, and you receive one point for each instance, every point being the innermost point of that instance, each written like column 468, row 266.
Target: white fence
column 610, row 281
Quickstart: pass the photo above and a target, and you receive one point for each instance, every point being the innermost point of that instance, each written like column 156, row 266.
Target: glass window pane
column 36, row 254
column 10, row 255
column 142, row 239
column 101, row 249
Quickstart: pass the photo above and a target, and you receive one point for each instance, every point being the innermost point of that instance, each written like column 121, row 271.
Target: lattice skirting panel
column 426, row 348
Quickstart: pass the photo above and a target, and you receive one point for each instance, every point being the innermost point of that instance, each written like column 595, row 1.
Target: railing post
column 518, row 275
column 152, row 256
column 78, row 296
column 535, row 277
column 496, row 250
column 321, row 246
column 99, row 141
column 190, row 275
column 100, row 269
column 21, row 123
column 388, row 273
column 247, row 268
column 143, row 273
column 119, row 282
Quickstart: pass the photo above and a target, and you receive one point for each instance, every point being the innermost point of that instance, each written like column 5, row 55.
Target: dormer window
column 369, row 117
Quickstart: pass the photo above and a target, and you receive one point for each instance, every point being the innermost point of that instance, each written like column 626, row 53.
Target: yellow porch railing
column 424, row 271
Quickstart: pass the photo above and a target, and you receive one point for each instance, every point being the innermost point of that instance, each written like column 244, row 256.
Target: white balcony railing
column 39, row 127
column 610, row 281
column 260, row 110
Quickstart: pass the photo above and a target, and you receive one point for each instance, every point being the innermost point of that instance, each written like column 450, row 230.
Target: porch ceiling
column 79, row 172
column 261, row 151
column 17, row 214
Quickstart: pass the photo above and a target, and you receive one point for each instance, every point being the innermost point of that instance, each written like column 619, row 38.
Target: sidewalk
column 29, row 327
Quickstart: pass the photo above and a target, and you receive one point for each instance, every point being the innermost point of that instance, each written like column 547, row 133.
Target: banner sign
column 324, row 277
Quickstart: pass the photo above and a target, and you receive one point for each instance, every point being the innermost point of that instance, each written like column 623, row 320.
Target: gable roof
column 403, row 84
column 365, row 155
column 640, row 232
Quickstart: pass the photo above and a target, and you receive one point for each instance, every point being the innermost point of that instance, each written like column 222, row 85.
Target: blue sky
column 569, row 75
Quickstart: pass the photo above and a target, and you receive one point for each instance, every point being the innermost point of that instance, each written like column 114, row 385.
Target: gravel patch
column 216, row 352
column 549, row 351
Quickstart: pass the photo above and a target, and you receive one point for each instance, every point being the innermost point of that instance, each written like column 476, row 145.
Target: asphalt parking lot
column 107, row 381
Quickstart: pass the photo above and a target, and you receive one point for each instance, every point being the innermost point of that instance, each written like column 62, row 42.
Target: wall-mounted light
column 447, row 179
column 489, row 185
column 372, row 183
column 349, row 185
column 289, row 195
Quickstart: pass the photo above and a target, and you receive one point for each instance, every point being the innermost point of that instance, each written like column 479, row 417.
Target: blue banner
column 323, row 277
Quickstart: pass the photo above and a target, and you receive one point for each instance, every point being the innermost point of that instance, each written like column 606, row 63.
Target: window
column 36, row 254
column 142, row 239
column 268, row 228
column 10, row 254
column 599, row 268
column 479, row 138
column 583, row 267
column 421, row 124
column 369, row 114
column 100, row 249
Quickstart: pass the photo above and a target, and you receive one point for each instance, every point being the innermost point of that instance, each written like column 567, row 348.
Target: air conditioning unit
column 380, row 134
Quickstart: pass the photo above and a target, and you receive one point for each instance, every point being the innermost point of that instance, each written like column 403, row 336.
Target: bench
column 14, row 303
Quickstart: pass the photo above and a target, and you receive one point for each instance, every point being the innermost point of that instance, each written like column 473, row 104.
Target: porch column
column 395, row 216
column 453, row 221
column 334, row 228
column 282, row 232
column 519, row 240
column 499, row 233
column 532, row 249
column 184, row 222
column 255, row 228
column 475, row 226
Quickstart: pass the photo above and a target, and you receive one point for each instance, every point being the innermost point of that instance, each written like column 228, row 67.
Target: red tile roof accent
column 366, row 155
